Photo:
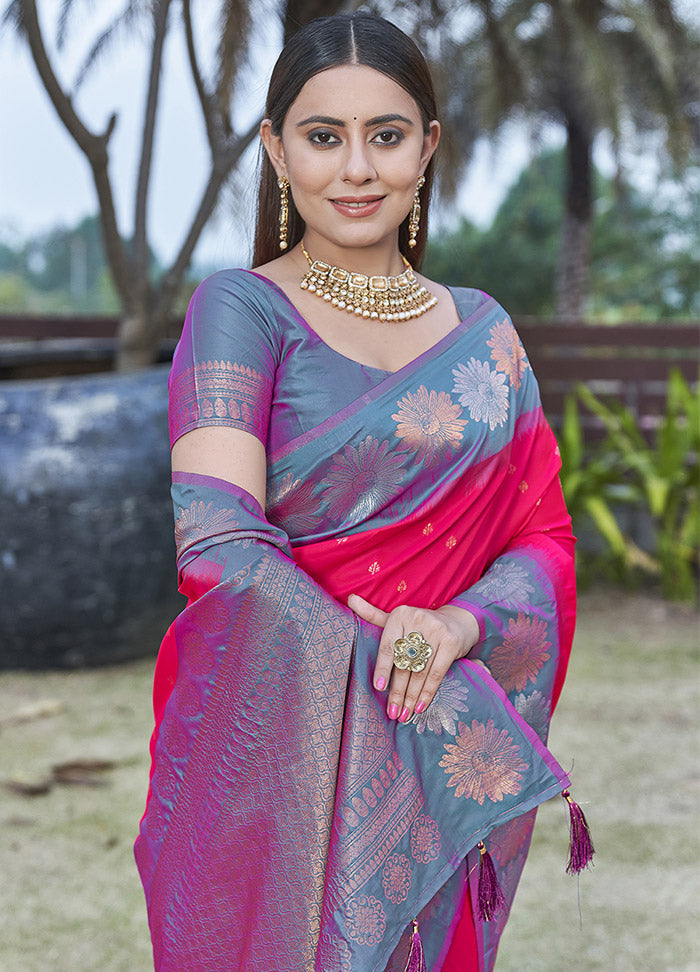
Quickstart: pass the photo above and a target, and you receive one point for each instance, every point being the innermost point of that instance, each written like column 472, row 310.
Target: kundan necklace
column 379, row 298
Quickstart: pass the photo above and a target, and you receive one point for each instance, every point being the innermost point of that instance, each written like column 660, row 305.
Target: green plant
column 662, row 477
column 592, row 484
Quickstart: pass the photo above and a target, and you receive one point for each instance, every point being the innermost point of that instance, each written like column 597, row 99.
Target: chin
column 360, row 237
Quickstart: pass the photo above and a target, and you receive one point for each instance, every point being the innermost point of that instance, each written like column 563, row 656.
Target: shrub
column 626, row 471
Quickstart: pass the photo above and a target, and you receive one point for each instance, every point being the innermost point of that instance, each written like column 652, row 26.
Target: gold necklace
column 378, row 298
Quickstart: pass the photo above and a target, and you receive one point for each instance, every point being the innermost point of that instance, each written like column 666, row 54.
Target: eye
column 389, row 136
column 322, row 137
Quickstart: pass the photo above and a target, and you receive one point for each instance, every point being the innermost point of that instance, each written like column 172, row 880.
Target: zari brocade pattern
column 290, row 823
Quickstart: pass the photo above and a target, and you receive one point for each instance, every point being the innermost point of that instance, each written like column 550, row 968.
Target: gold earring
column 283, row 184
column 414, row 219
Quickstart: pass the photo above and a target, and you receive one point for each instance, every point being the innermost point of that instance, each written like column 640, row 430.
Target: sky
column 45, row 180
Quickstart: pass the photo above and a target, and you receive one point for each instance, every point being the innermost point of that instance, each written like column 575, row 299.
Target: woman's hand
column 451, row 631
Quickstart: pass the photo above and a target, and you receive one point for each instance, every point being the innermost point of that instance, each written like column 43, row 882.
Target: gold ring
column 412, row 652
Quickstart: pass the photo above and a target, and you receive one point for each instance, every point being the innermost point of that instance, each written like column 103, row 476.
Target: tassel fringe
column 491, row 898
column 416, row 956
column 581, row 849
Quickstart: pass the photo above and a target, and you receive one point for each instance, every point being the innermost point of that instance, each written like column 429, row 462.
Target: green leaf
column 571, row 434
column 606, row 524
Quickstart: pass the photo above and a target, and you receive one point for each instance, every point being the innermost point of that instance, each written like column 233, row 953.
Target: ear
column 273, row 147
column 430, row 143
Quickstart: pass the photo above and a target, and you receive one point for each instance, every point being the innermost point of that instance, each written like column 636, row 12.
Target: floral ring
column 412, row 652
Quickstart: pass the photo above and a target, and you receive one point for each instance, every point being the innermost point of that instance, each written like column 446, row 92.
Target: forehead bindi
column 353, row 93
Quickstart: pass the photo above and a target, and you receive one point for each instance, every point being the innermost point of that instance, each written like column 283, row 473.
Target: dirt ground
column 628, row 724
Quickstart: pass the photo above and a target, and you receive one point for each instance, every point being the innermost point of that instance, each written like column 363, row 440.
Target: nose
column 358, row 167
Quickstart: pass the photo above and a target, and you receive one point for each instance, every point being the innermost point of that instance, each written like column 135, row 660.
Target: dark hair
column 357, row 38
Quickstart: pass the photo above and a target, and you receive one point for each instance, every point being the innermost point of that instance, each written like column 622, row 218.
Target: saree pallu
column 290, row 824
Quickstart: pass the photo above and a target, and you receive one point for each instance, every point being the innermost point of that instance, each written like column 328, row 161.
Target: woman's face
column 352, row 146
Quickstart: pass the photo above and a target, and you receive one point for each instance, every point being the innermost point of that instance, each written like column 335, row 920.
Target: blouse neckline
column 436, row 348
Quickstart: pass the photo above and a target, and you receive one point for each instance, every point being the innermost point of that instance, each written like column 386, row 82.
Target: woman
column 367, row 511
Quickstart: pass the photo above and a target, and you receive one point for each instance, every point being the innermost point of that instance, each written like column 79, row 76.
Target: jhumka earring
column 283, row 183
column 414, row 218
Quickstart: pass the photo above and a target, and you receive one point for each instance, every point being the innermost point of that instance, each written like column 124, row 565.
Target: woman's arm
column 230, row 454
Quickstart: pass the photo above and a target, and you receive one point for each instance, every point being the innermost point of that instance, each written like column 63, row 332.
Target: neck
column 381, row 259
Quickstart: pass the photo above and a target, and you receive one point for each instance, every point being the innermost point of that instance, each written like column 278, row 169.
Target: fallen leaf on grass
column 82, row 772
column 30, row 788
column 74, row 772
column 35, row 710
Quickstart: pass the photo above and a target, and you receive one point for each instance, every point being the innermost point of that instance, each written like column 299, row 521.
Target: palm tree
column 147, row 303
column 625, row 67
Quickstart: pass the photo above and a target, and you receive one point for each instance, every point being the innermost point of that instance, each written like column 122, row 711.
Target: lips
column 357, row 205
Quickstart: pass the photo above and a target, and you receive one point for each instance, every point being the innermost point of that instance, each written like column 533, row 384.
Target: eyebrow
column 339, row 123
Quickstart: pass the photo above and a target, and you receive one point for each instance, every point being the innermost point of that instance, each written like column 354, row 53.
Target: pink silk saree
column 290, row 825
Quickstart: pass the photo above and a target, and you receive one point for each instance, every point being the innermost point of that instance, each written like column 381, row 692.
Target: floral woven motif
column 290, row 823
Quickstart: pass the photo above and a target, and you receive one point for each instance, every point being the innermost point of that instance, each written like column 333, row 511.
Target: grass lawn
column 628, row 723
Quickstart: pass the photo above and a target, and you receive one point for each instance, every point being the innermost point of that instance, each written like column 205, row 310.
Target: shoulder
column 236, row 302
column 466, row 299
column 491, row 314
column 494, row 331
column 471, row 299
column 225, row 361
column 235, row 288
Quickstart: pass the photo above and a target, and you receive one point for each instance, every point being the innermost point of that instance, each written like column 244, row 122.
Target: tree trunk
column 140, row 242
column 138, row 340
column 575, row 252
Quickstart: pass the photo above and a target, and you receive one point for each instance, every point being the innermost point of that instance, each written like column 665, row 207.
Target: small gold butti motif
column 412, row 652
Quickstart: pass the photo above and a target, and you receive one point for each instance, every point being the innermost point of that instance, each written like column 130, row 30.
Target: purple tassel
column 581, row 848
column 416, row 956
column 491, row 899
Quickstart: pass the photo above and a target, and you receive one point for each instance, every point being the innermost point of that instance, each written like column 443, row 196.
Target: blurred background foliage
column 644, row 255
column 565, row 241
column 635, row 499
column 65, row 271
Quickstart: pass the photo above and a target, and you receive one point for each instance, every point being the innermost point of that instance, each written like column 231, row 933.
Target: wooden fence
column 629, row 361
column 39, row 346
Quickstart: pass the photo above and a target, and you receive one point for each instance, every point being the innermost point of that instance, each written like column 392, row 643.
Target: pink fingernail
column 420, row 707
column 404, row 715
column 393, row 711
column 381, row 684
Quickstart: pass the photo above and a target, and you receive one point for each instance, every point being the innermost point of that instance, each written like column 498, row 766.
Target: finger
column 412, row 695
column 374, row 615
column 405, row 684
column 396, row 707
column 420, row 696
column 422, row 686
column 478, row 661
column 384, row 669
column 406, row 689
column 365, row 610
